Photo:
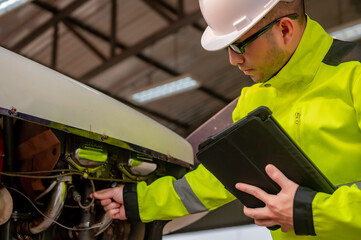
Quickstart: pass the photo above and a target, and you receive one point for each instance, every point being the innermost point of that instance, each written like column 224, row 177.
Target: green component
column 134, row 163
column 81, row 168
column 92, row 154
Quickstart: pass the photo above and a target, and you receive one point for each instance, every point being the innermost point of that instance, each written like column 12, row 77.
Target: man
column 311, row 82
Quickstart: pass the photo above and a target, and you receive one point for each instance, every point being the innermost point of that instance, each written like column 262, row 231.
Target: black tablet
column 241, row 152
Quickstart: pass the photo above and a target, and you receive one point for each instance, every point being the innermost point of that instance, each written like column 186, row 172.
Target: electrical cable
column 92, row 201
column 20, row 174
column 52, row 185
column 71, row 172
column 53, row 220
column 46, row 171
column 65, row 172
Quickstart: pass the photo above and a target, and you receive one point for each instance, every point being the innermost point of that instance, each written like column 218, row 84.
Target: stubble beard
column 278, row 58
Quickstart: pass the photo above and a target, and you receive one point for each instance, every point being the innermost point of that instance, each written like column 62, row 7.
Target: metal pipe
column 5, row 231
column 86, row 218
column 53, row 211
column 105, row 221
column 40, row 223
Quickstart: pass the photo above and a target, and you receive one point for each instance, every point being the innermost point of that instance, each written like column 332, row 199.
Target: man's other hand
column 279, row 207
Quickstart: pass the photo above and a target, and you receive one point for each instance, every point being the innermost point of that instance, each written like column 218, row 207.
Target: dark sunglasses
column 239, row 47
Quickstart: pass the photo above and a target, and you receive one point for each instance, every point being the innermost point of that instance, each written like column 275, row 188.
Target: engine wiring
column 46, row 191
column 29, row 174
column 70, row 173
column 59, row 175
column 64, row 173
column 92, row 201
column 53, row 220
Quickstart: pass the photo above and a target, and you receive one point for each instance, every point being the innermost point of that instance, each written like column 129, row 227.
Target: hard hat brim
column 213, row 42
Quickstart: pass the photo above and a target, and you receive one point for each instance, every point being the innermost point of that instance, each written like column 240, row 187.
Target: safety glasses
column 239, row 47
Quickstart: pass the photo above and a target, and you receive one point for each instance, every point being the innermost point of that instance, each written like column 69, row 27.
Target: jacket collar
column 306, row 60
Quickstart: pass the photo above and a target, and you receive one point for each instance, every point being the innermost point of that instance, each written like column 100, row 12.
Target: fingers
column 256, row 213
column 265, row 222
column 262, row 216
column 104, row 194
column 265, row 218
column 252, row 190
column 111, row 206
column 114, row 213
column 112, row 201
column 278, row 208
column 110, row 193
column 105, row 202
column 122, row 213
column 113, row 209
column 117, row 212
column 276, row 175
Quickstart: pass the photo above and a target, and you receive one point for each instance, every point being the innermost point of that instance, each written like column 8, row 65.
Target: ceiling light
column 349, row 32
column 165, row 90
column 7, row 5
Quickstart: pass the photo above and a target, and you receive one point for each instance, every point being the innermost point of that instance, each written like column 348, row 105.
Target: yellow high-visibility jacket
column 316, row 97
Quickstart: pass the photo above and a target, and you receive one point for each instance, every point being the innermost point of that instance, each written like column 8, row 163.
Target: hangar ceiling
column 121, row 46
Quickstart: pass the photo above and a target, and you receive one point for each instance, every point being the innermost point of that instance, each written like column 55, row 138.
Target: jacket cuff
column 302, row 212
column 130, row 200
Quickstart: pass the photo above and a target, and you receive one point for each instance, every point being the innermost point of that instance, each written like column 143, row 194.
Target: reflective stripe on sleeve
column 187, row 196
column 358, row 184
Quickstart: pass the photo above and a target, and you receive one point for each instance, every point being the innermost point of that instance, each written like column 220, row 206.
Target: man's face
column 262, row 59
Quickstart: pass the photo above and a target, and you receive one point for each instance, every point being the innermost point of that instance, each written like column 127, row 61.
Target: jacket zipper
column 297, row 125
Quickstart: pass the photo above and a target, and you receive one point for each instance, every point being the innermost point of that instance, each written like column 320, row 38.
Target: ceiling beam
column 113, row 28
column 45, row 26
column 159, row 6
column 85, row 41
column 180, row 8
column 141, row 56
column 106, row 38
column 54, row 53
column 159, row 9
column 70, row 20
column 177, row 13
column 137, row 48
column 167, row 6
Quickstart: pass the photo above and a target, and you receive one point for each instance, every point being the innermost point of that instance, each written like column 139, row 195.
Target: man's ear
column 286, row 28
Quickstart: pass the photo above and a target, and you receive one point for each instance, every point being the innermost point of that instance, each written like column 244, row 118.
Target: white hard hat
column 228, row 20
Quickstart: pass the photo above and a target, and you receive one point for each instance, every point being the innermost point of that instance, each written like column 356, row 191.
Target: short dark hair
column 285, row 8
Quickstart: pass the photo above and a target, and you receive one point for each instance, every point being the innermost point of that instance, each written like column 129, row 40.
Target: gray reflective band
column 341, row 52
column 358, row 184
column 186, row 194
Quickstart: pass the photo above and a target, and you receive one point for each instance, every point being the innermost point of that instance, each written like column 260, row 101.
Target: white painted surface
column 38, row 91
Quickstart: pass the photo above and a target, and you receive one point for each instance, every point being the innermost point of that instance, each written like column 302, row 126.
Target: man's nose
column 235, row 58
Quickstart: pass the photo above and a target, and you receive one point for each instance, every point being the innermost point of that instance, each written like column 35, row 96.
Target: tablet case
column 241, row 152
